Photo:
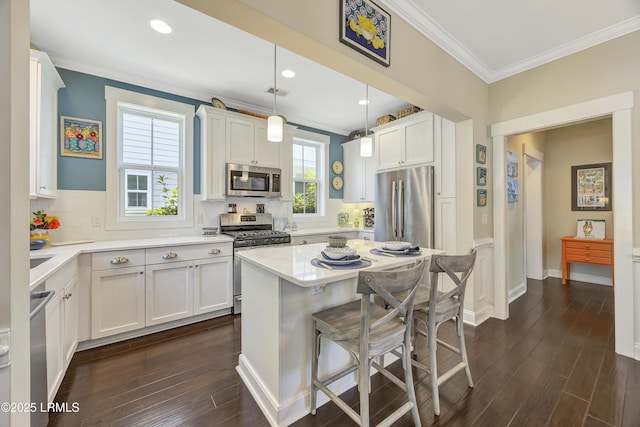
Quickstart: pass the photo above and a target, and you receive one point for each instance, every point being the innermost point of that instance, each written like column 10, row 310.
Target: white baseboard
column 581, row 277
column 637, row 351
column 517, row 292
column 475, row 318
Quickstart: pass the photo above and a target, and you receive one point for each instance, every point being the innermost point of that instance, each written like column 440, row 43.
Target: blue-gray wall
column 83, row 97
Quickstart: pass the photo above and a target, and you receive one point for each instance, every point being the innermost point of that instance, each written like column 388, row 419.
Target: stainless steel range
column 249, row 231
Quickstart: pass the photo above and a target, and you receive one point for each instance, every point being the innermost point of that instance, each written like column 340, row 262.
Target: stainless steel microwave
column 252, row 181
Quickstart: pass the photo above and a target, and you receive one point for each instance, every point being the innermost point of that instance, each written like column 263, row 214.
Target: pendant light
column 366, row 143
column 275, row 124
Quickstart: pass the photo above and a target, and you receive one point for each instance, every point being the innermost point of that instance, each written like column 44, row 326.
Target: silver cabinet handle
column 67, row 296
column 119, row 260
column 169, row 255
column 302, row 242
column 214, row 251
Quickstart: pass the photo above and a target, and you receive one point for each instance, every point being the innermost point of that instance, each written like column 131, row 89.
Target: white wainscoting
column 481, row 307
column 636, row 285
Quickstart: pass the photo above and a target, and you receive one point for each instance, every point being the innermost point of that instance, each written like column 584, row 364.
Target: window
column 147, row 157
column 308, row 177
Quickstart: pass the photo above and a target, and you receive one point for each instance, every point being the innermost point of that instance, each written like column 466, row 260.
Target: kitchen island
column 280, row 291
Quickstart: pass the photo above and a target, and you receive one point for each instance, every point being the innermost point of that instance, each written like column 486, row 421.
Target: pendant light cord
column 366, row 111
column 275, row 47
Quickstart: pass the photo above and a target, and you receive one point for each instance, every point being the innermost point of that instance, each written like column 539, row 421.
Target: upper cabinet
column 359, row 174
column 445, row 147
column 44, row 83
column 405, row 143
column 230, row 137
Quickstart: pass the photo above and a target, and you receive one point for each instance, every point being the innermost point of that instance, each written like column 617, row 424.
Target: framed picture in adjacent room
column 591, row 187
column 482, row 198
column 481, row 154
column 366, row 27
column 481, row 176
column 80, row 137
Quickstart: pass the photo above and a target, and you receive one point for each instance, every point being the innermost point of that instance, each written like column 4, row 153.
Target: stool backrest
column 458, row 268
column 398, row 290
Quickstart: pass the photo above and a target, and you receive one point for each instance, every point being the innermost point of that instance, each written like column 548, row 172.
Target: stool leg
column 433, row 366
column 408, row 379
column 363, row 385
column 463, row 349
column 315, row 352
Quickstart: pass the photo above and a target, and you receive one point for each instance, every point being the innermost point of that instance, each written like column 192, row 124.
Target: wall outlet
column 96, row 221
column 318, row 289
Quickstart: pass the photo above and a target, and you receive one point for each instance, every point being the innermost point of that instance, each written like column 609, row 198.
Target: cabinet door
column 34, row 126
column 445, row 227
column 389, row 150
column 117, row 301
column 369, row 178
column 212, row 153
column 54, row 312
column 70, row 320
column 445, row 147
column 354, row 184
column 267, row 152
column 169, row 292
column 418, row 141
column 212, row 284
column 286, row 167
column 240, row 141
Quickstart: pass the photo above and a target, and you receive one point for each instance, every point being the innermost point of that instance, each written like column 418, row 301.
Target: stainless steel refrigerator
column 404, row 206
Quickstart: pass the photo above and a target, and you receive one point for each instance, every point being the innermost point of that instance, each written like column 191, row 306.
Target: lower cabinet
column 144, row 287
column 61, row 325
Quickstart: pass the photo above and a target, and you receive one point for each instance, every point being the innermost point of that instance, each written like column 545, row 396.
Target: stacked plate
column 339, row 256
column 399, row 248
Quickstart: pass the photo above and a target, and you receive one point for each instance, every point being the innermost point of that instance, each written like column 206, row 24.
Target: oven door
column 237, row 275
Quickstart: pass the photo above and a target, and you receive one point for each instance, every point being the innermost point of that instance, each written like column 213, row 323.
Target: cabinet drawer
column 572, row 253
column 117, row 259
column 188, row 252
column 589, row 245
column 589, row 259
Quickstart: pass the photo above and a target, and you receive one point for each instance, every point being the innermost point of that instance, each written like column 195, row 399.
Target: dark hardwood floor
column 552, row 363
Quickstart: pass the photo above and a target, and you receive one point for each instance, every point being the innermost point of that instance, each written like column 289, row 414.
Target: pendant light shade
column 366, row 142
column 275, row 124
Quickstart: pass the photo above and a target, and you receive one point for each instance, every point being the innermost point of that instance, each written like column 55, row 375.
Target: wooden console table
column 585, row 251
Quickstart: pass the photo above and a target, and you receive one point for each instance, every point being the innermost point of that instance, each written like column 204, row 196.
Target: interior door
column 534, row 226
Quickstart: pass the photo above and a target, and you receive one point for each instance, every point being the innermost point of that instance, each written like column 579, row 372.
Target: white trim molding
column 517, row 292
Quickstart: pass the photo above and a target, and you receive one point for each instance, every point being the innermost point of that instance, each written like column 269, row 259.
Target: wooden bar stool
column 368, row 331
column 433, row 308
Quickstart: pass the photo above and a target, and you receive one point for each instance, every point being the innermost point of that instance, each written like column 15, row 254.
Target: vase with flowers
column 40, row 225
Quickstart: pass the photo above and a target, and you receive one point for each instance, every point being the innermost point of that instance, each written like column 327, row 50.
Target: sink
column 34, row 262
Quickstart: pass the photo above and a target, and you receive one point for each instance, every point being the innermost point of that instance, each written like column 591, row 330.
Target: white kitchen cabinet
column 212, row 153
column 359, row 174
column 405, row 142
column 210, row 289
column 445, row 226
column 230, row 137
column 366, row 235
column 61, row 325
column 169, row 292
column 445, row 163
column 117, row 292
column 44, row 84
column 183, row 281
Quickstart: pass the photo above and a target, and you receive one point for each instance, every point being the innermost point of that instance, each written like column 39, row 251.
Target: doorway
column 619, row 107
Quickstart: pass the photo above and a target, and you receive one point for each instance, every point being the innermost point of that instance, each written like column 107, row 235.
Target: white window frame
column 322, row 190
column 138, row 209
column 115, row 218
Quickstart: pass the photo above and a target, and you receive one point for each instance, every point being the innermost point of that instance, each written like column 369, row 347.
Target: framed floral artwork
column 481, row 198
column 481, row 154
column 366, row 27
column 80, row 137
column 481, row 176
column 591, row 187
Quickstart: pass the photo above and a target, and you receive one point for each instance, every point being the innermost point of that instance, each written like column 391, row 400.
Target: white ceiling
column 205, row 58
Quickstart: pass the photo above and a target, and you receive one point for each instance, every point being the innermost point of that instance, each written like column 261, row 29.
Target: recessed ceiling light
column 363, row 102
column 288, row 74
column 160, row 26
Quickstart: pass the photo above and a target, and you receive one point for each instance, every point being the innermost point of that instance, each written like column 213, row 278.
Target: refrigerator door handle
column 393, row 209
column 400, row 209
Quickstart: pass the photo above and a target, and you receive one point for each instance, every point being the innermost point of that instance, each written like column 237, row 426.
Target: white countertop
column 60, row 255
column 293, row 263
column 314, row 231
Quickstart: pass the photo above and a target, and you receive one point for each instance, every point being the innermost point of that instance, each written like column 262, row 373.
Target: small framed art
column 481, row 154
column 80, row 137
column 482, row 198
column 481, row 176
column 591, row 187
column 366, row 27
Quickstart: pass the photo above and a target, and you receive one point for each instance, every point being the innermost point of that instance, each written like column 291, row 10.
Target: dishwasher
column 39, row 299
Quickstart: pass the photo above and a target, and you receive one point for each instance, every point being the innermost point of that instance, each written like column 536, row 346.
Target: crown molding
column 193, row 93
column 421, row 21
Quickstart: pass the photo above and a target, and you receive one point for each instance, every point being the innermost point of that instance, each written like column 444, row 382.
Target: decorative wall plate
column 337, row 167
column 218, row 104
column 337, row 183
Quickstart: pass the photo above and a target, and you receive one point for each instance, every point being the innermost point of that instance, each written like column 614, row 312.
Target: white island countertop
column 293, row 263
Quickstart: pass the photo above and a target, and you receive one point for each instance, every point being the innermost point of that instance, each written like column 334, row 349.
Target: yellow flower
column 355, row 27
column 378, row 43
column 367, row 25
